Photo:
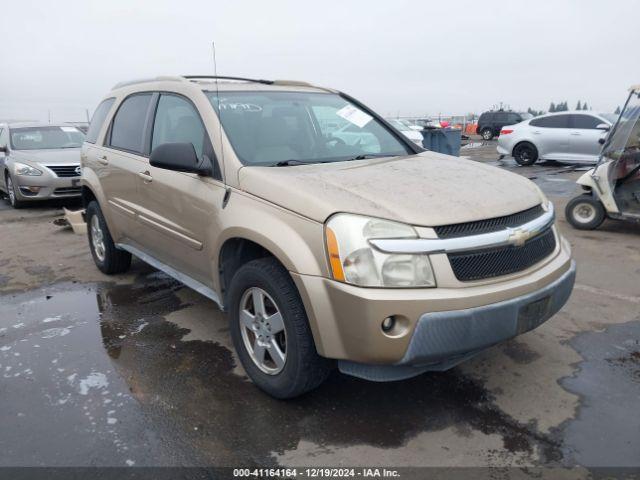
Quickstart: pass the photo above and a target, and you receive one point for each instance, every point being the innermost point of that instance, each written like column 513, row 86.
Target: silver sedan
column 573, row 137
column 39, row 162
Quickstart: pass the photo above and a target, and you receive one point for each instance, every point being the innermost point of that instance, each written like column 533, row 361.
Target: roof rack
column 195, row 78
column 223, row 77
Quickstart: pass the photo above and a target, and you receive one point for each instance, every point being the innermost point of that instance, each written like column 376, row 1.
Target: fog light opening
column 388, row 324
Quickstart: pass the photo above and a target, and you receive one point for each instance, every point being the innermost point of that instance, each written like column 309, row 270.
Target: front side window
column 266, row 128
column 98, row 119
column 177, row 121
column 45, row 138
column 586, row 122
column 127, row 130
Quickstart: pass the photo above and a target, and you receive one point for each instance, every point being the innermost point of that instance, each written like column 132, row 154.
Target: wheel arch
column 242, row 247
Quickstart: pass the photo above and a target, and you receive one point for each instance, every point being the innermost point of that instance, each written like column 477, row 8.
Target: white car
column 564, row 136
column 414, row 135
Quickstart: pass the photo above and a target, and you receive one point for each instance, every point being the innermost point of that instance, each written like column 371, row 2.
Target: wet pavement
column 138, row 370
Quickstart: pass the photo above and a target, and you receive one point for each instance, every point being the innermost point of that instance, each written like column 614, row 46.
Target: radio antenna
column 227, row 192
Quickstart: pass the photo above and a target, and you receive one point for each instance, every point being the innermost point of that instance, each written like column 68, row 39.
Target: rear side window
column 555, row 121
column 98, row 119
column 177, row 121
column 585, row 122
column 128, row 128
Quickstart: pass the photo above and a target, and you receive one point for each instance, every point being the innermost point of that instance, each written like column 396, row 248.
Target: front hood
column 428, row 189
column 48, row 157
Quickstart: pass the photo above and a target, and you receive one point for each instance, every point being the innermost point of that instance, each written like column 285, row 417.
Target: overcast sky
column 399, row 57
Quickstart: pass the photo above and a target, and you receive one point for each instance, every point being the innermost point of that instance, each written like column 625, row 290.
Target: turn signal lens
column 334, row 255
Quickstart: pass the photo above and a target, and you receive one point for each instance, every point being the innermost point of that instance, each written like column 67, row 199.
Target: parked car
column 490, row 123
column 39, row 162
column 413, row 135
column 389, row 263
column 564, row 136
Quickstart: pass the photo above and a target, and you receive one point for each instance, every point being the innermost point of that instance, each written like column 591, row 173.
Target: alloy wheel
column 10, row 191
column 97, row 238
column 263, row 331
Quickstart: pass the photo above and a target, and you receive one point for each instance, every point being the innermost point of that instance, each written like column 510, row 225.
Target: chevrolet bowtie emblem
column 518, row 236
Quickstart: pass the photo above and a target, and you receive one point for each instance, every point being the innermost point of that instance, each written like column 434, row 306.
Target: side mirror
column 4, row 149
column 603, row 126
column 179, row 157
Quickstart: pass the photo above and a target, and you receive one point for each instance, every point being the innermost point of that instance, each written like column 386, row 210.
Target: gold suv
column 326, row 234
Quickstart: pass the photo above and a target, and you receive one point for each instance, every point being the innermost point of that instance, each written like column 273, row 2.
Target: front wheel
column 525, row 154
column 270, row 331
column 585, row 212
column 11, row 191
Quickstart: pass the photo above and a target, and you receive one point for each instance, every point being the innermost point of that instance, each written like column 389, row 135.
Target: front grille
column 489, row 225
column 67, row 191
column 64, row 170
column 494, row 262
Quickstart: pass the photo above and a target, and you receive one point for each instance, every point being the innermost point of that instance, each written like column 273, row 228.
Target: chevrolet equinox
column 327, row 236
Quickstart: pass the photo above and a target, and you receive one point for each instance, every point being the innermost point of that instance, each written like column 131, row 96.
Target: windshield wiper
column 368, row 155
column 288, row 163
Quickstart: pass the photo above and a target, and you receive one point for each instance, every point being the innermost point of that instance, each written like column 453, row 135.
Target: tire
column 585, row 212
column 486, row 134
column 301, row 369
column 11, row 193
column 525, row 154
column 107, row 257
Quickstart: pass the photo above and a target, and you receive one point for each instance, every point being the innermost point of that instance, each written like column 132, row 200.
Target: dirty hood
column 48, row 157
column 428, row 189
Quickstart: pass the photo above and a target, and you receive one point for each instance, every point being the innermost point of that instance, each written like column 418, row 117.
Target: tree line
column 563, row 107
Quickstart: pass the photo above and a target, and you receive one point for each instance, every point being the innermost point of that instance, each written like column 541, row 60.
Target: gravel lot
column 138, row 370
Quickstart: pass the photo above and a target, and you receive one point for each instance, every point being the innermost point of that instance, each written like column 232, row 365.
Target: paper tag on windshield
column 69, row 129
column 354, row 115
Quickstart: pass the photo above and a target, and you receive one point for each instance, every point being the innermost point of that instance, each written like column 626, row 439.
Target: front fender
column 586, row 180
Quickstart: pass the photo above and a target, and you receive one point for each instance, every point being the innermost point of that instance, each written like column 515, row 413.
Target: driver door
column 178, row 210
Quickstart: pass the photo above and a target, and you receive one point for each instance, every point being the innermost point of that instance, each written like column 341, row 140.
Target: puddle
column 606, row 430
column 101, row 366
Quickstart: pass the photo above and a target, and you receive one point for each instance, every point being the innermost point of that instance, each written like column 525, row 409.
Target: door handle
column 537, row 132
column 575, row 133
column 145, row 176
column 103, row 160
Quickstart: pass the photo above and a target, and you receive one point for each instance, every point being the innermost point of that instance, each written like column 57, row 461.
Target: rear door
column 584, row 145
column 119, row 161
column 177, row 208
column 551, row 136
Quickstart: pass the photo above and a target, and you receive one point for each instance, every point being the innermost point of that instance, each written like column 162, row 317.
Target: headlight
column 353, row 259
column 22, row 169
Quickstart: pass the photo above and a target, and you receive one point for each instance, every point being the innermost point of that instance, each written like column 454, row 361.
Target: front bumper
column 346, row 320
column 50, row 186
column 441, row 340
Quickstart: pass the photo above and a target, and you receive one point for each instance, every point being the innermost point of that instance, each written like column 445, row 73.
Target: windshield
column 399, row 125
column 267, row 128
column 45, row 138
column 624, row 140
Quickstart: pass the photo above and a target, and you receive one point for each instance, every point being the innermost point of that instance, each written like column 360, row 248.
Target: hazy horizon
column 401, row 58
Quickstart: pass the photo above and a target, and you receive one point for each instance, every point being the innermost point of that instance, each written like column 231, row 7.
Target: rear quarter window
column 98, row 119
